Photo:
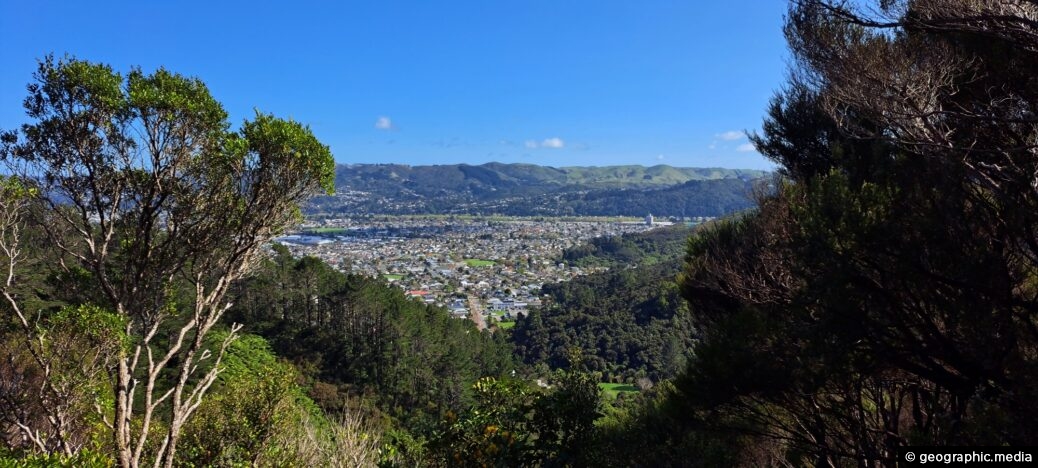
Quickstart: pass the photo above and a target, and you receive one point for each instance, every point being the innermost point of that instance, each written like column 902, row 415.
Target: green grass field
column 393, row 277
column 612, row 390
column 326, row 230
column 506, row 325
column 475, row 262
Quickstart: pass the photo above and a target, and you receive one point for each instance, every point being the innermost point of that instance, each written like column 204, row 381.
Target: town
column 489, row 269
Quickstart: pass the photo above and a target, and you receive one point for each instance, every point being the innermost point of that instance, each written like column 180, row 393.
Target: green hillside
column 531, row 190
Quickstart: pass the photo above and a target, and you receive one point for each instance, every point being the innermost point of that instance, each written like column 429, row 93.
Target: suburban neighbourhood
column 489, row 269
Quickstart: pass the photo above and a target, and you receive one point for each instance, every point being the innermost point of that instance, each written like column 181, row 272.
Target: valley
column 493, row 265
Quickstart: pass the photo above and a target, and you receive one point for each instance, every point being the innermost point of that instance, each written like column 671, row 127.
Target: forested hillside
column 626, row 323
column 358, row 338
column 520, row 178
column 529, row 190
column 660, row 245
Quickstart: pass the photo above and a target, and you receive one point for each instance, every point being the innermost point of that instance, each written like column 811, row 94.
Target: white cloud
column 731, row 135
column 659, row 157
column 745, row 147
column 384, row 123
column 555, row 142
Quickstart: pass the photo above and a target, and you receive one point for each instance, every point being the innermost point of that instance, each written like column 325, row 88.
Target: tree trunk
column 121, row 423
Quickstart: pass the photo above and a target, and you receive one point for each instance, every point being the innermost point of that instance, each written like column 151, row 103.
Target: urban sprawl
column 488, row 269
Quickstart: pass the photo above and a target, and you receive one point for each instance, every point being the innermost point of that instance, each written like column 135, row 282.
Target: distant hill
column 531, row 190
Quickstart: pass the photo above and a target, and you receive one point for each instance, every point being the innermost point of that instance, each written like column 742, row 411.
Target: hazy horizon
column 391, row 163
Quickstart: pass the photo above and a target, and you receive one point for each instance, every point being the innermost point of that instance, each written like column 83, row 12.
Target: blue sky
column 560, row 83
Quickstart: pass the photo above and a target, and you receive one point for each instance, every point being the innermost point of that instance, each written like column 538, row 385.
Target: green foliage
column 650, row 430
column 656, row 246
column 85, row 458
column 95, row 327
column 12, row 189
column 289, row 147
column 493, row 432
column 260, row 415
column 247, row 357
column 233, row 426
column 510, row 423
column 96, row 85
column 627, row 323
column 360, row 337
column 564, row 418
column 169, row 96
column 59, row 377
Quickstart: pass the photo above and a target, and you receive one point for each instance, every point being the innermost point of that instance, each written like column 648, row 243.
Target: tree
column 511, row 423
column 883, row 294
column 54, row 381
column 142, row 185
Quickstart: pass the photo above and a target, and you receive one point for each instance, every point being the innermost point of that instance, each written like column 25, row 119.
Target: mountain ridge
column 636, row 175
column 523, row 189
